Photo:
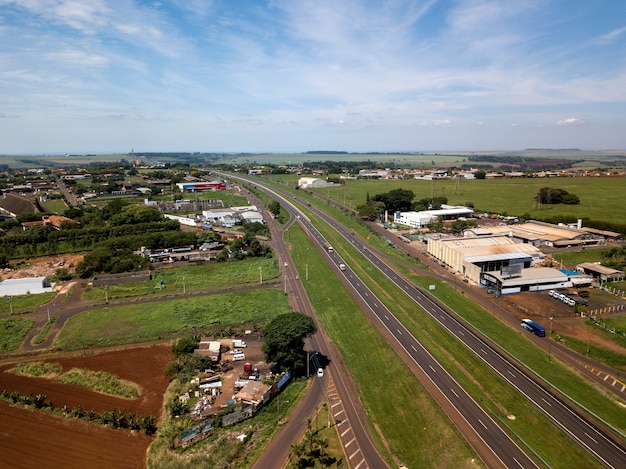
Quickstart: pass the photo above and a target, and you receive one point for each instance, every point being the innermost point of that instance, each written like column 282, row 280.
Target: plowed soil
column 30, row 438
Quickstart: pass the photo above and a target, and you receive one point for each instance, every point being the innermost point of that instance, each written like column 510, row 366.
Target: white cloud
column 611, row 36
column 569, row 121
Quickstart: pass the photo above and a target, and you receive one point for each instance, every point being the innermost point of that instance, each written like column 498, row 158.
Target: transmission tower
column 457, row 184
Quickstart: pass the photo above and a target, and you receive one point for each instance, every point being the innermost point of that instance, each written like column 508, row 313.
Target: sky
column 284, row 76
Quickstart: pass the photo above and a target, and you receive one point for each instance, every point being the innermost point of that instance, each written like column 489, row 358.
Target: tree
column 274, row 208
column 184, row 345
column 396, row 200
column 480, row 174
column 284, row 341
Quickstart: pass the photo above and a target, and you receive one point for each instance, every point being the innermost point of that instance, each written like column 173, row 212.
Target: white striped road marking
column 481, row 422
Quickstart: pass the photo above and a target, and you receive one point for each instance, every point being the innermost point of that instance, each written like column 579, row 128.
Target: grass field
column 13, row 331
column 24, row 303
column 202, row 277
column 57, row 206
column 600, row 198
column 167, row 319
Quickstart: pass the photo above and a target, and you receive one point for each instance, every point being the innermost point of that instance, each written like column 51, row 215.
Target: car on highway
column 285, row 264
column 320, row 373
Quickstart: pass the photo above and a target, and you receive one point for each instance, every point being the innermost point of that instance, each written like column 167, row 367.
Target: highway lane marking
column 359, row 464
column 431, row 367
column 386, row 317
column 481, row 422
column 546, row 402
column 605, row 378
column 518, row 463
column 589, row 436
column 399, row 331
column 345, row 431
column 453, row 392
column 413, row 347
column 461, row 332
column 349, row 442
column 483, row 351
column 511, row 373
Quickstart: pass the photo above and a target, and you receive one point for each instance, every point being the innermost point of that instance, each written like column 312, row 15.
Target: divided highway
column 607, row 450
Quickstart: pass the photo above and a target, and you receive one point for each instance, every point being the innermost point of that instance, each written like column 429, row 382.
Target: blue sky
column 289, row 76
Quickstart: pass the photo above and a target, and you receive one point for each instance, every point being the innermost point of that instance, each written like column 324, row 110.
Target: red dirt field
column 30, row 438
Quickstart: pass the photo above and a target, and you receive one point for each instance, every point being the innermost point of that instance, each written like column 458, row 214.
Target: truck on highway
column 533, row 327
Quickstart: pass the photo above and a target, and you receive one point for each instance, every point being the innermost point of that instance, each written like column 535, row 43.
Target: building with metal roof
column 534, row 279
column 309, row 183
column 540, row 234
column 601, row 272
column 424, row 217
column 25, row 286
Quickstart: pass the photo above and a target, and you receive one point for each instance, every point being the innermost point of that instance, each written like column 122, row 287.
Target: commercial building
column 311, row 183
column 424, row 217
column 25, row 286
column 601, row 272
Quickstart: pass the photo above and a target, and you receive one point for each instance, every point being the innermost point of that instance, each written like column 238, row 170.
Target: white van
column 239, row 356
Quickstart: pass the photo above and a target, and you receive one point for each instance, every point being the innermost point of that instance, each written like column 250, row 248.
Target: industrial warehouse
column 507, row 259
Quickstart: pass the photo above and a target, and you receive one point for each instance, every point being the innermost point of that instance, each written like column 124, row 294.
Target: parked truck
column 238, row 343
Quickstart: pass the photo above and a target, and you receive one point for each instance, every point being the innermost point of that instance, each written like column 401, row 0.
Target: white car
column 234, row 352
column 320, row 373
column 285, row 264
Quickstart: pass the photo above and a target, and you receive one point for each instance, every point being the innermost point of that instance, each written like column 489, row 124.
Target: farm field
column 40, row 439
column 600, row 198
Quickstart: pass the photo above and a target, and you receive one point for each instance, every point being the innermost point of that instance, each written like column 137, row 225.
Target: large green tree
column 396, row 200
column 284, row 341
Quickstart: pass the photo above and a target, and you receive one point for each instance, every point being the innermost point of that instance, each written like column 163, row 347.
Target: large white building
column 24, row 286
column 310, row 183
column 424, row 217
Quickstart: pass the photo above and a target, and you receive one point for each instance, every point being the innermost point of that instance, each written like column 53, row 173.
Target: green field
column 146, row 322
column 57, row 206
column 24, row 303
column 13, row 331
column 192, row 278
column 600, row 198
